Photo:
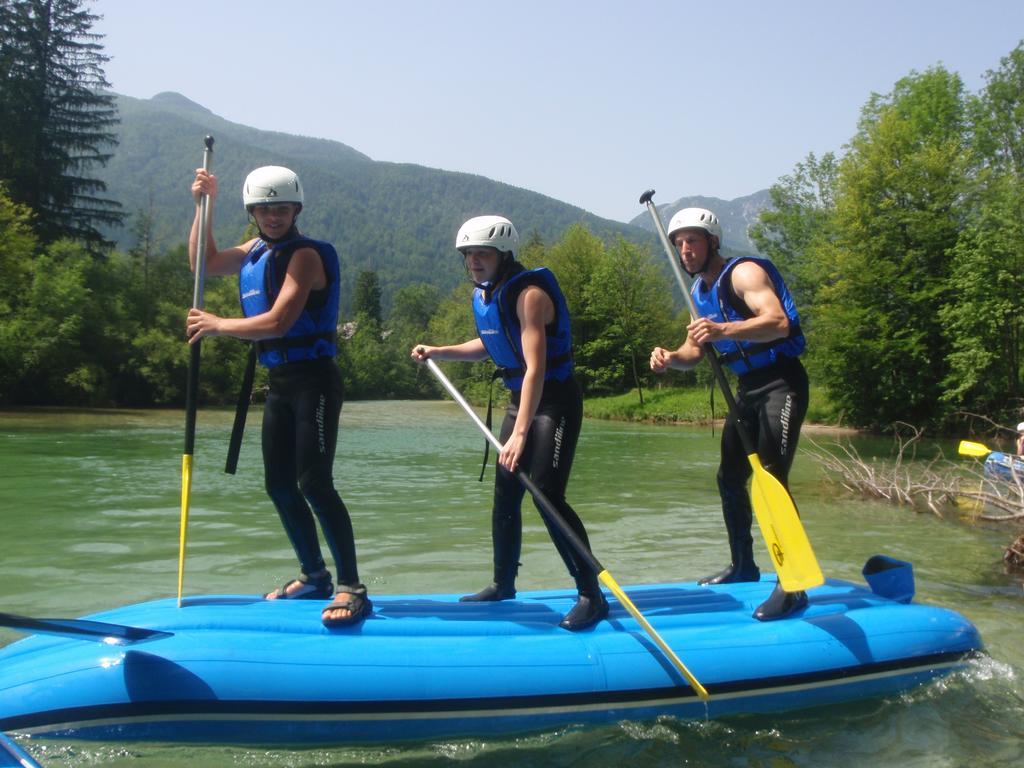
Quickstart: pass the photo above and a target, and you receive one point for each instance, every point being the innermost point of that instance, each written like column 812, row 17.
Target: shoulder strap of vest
column 726, row 293
column 518, row 282
column 279, row 266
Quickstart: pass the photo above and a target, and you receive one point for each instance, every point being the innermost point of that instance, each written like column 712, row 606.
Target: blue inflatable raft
column 237, row 669
column 1004, row 466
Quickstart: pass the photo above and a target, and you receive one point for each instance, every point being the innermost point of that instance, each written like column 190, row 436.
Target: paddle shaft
column 582, row 549
column 192, row 387
column 81, row 629
column 12, row 754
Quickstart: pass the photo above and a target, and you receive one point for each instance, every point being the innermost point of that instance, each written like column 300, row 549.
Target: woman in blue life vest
column 289, row 290
column 748, row 315
column 523, row 326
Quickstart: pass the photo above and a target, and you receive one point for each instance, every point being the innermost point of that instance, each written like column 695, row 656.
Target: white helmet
column 271, row 184
column 488, row 232
column 1020, row 427
column 696, row 218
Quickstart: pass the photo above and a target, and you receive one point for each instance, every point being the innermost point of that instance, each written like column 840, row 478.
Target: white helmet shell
column 696, row 218
column 488, row 232
column 271, row 184
column 1020, row 427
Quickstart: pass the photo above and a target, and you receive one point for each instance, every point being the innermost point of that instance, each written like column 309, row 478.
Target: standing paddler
column 289, row 290
column 523, row 326
column 747, row 314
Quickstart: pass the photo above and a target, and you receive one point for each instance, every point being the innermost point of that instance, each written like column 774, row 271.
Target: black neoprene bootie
column 591, row 605
column 589, row 610
column 780, row 604
column 491, row 593
column 734, row 574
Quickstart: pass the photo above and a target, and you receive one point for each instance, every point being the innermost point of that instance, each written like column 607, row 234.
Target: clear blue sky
column 588, row 102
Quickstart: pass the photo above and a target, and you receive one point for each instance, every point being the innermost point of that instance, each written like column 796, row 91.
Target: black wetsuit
column 300, row 433
column 547, row 458
column 772, row 402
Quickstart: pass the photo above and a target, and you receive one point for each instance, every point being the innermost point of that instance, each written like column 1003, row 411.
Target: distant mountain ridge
column 736, row 216
column 398, row 219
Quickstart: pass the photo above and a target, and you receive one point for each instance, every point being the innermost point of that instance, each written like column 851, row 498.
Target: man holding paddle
column 748, row 316
column 523, row 325
column 289, row 290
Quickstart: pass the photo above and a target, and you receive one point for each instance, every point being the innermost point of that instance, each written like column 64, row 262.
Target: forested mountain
column 736, row 217
column 397, row 219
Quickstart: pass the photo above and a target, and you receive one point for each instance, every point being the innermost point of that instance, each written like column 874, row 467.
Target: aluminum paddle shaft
column 192, row 388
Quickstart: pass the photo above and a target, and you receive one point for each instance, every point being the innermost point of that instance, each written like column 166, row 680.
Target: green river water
column 90, row 507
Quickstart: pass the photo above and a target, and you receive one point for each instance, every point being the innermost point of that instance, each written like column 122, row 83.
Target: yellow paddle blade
column 186, row 489
column 608, row 581
column 783, row 532
column 967, row 448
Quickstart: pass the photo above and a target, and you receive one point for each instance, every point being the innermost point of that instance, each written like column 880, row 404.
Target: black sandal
column 319, row 588
column 352, row 598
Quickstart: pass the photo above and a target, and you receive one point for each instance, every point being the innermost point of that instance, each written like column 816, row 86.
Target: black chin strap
column 291, row 234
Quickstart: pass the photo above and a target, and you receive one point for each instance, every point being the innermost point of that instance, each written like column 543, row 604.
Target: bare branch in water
column 937, row 485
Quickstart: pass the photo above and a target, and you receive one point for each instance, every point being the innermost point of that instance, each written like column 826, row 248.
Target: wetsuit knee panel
column 316, row 483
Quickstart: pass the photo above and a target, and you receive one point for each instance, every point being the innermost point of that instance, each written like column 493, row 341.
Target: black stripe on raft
column 60, row 719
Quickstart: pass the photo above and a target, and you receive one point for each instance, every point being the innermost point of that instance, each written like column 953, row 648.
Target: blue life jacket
column 314, row 334
column 716, row 304
column 497, row 323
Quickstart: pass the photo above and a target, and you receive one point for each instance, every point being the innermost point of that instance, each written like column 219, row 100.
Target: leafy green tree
column 798, row 226
column 16, row 257
column 985, row 323
column 998, row 117
column 71, row 321
column 413, row 306
column 56, row 121
column 160, row 356
column 628, row 298
column 156, row 369
column 883, row 349
column 532, row 250
column 573, row 259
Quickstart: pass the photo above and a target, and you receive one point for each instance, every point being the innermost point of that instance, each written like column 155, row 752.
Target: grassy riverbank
column 668, row 405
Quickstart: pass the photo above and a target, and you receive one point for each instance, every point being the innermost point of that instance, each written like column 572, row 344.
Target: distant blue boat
column 239, row 669
column 1004, row 466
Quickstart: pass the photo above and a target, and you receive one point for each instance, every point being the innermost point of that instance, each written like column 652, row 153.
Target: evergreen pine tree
column 368, row 295
column 56, row 119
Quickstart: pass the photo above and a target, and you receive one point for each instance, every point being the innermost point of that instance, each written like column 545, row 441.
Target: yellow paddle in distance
column 577, row 544
column 774, row 509
column 192, row 389
column 967, row 448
